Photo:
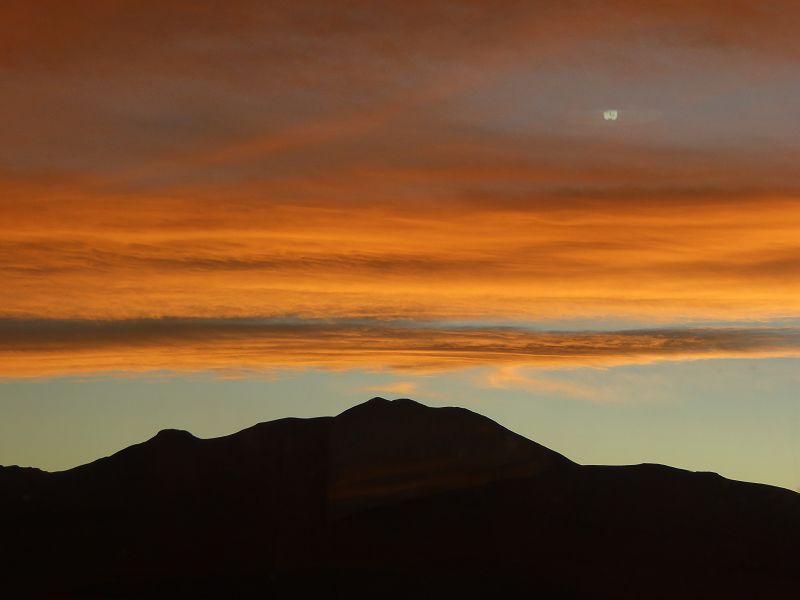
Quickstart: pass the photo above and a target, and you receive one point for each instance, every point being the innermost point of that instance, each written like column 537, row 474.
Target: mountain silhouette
column 389, row 499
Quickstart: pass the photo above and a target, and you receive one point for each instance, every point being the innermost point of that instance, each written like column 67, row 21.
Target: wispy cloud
column 234, row 346
column 512, row 378
column 86, row 254
column 395, row 387
column 393, row 160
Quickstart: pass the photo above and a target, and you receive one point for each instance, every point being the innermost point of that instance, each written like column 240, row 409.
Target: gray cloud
column 67, row 346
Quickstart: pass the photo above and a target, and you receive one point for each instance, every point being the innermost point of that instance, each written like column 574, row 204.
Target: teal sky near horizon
column 218, row 213
column 737, row 417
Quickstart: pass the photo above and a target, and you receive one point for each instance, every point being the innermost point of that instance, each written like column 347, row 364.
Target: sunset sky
column 216, row 213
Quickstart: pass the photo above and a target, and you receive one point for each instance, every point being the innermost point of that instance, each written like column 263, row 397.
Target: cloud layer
column 662, row 260
column 230, row 346
column 224, row 163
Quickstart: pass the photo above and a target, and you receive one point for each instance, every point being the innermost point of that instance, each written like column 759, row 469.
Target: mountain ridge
column 383, row 495
column 178, row 435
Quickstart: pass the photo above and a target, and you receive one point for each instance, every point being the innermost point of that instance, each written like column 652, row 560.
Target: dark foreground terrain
column 388, row 500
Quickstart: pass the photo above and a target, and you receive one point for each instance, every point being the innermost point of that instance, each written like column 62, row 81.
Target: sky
column 217, row 213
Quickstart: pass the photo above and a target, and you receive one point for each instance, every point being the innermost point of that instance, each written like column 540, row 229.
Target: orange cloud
column 393, row 160
column 233, row 346
column 90, row 254
column 510, row 377
column 397, row 387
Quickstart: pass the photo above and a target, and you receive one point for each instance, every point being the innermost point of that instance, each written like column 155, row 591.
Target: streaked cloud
column 511, row 378
column 223, row 164
column 67, row 254
column 396, row 387
column 230, row 347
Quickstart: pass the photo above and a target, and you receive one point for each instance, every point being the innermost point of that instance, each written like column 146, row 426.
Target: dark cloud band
column 48, row 347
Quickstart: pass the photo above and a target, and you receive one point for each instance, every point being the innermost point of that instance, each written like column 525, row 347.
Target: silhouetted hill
column 388, row 500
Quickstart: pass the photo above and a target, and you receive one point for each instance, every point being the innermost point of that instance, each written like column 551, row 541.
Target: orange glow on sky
column 411, row 161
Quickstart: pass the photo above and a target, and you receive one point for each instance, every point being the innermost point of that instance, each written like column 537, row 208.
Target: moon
column 603, row 116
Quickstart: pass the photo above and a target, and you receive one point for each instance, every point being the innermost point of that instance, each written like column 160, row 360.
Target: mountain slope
column 393, row 499
column 383, row 451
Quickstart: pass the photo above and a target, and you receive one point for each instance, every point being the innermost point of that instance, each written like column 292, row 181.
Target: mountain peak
column 379, row 404
column 387, row 450
column 371, row 499
column 172, row 436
